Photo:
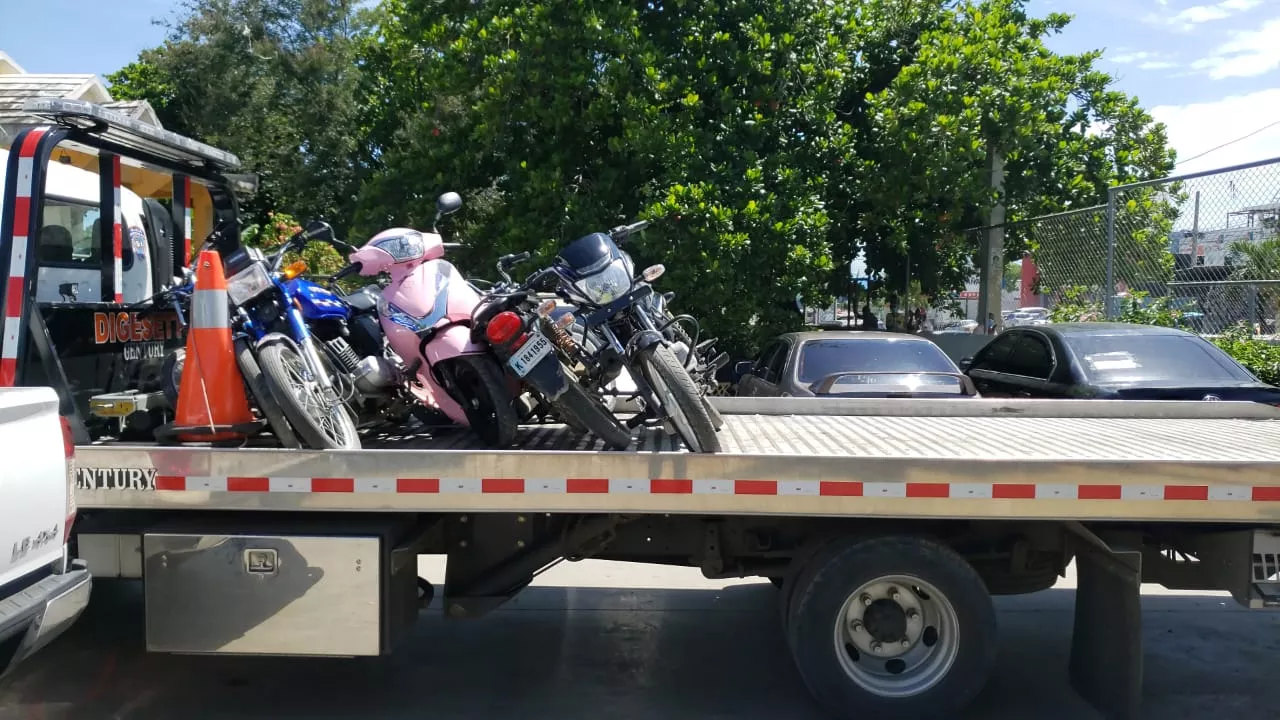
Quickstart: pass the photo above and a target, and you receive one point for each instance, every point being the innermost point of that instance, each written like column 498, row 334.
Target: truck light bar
column 130, row 133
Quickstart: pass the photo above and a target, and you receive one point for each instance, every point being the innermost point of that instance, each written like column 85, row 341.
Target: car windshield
column 1160, row 359
column 821, row 358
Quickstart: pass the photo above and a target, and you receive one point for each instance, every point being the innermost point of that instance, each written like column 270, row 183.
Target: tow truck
column 887, row 525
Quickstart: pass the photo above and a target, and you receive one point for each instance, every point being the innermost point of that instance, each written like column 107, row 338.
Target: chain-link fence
column 1203, row 248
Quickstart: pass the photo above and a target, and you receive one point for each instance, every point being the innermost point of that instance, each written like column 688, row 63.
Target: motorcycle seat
column 363, row 300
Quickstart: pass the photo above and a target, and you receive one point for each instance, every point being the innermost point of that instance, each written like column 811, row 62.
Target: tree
column 274, row 81
column 769, row 140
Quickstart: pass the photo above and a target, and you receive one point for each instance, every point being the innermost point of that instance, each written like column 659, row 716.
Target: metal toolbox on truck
column 277, row 594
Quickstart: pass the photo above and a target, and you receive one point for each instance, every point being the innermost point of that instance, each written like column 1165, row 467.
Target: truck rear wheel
column 891, row 627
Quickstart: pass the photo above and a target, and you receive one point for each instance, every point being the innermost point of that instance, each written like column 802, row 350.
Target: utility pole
column 991, row 257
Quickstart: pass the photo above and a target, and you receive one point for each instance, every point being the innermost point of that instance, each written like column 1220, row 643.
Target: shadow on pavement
column 559, row 652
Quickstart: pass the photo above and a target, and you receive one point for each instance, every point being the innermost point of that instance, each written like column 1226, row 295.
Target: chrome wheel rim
column 312, row 398
column 897, row 636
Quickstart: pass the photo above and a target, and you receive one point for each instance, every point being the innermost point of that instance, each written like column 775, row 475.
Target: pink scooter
column 426, row 315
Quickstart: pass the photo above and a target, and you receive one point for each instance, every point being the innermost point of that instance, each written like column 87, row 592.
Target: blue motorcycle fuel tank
column 317, row 302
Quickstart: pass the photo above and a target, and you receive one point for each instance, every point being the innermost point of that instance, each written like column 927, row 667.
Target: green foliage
column 321, row 259
column 769, row 140
column 274, row 81
column 1079, row 304
column 1261, row 357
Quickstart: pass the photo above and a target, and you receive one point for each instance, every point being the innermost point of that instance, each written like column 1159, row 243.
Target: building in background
column 18, row 86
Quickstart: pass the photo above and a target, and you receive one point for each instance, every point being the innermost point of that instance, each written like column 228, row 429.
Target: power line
column 1230, row 142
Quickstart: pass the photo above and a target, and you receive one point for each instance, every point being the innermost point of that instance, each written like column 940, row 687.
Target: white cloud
column 1143, row 59
column 1249, row 54
column 1198, row 14
column 1200, row 127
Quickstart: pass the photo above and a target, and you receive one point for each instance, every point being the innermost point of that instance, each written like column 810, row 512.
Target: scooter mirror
column 448, row 203
column 318, row 230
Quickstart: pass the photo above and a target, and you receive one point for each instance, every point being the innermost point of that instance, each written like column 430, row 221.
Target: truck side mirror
column 742, row 369
column 966, row 363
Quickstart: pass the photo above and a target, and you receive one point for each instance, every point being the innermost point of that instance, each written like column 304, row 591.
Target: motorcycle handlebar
column 622, row 232
column 351, row 269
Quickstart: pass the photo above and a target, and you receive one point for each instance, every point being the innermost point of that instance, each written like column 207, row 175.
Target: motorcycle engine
column 375, row 375
column 343, row 354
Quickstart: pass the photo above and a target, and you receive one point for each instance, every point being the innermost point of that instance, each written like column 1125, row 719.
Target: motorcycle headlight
column 406, row 246
column 607, row 285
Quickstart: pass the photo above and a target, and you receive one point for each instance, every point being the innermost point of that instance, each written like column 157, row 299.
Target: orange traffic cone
column 212, row 404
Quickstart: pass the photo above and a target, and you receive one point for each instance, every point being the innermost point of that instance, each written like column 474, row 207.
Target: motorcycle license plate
column 530, row 354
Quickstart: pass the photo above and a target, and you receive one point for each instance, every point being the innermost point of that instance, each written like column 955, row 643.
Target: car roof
column 1109, row 329
column 852, row 335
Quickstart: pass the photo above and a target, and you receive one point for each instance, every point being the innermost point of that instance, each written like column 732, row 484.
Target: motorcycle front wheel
column 679, row 397
column 322, row 425
column 584, row 410
column 481, row 389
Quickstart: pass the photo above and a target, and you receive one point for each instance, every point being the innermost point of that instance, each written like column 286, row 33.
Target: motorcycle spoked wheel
column 480, row 388
column 679, row 397
column 322, row 425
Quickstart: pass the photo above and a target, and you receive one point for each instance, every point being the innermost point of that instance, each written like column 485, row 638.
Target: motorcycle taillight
column 503, row 328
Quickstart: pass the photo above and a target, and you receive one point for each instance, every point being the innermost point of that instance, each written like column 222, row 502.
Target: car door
column 1030, row 367
column 989, row 367
column 754, row 383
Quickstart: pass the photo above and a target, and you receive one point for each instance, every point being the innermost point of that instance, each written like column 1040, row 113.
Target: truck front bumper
column 43, row 611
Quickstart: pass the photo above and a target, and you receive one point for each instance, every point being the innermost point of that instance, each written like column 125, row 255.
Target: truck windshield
column 1159, row 359
column 821, row 358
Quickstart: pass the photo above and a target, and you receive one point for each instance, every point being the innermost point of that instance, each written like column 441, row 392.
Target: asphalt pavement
column 603, row 639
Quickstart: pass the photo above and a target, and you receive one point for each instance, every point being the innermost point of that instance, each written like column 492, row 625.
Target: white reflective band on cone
column 209, row 310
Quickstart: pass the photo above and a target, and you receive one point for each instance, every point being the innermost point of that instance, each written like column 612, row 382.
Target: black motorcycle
column 626, row 330
column 535, row 350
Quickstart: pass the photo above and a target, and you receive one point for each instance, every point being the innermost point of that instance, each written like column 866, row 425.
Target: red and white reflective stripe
column 117, row 242
column 186, row 220
column 680, row 486
column 15, row 284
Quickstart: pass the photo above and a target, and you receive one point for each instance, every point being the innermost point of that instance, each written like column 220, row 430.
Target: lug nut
column 912, row 614
column 906, row 643
column 875, row 646
column 856, row 625
column 893, row 593
column 866, row 600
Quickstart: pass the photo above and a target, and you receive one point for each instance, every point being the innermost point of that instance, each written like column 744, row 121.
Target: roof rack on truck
column 887, row 525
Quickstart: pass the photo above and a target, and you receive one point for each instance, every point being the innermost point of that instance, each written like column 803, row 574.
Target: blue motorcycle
column 324, row 364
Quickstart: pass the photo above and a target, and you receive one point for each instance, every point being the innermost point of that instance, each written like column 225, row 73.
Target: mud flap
column 1106, row 640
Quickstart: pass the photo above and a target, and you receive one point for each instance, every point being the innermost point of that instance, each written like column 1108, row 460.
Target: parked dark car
column 1111, row 361
column 851, row 364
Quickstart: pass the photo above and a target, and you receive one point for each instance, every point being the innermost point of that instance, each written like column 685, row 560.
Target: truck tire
column 679, row 397
column 320, row 425
column 891, row 627
column 584, row 410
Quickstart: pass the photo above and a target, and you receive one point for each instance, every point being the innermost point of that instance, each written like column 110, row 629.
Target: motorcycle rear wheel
column 481, row 389
column 679, row 397
column 583, row 410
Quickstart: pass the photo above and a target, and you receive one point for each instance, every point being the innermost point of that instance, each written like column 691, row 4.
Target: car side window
column 762, row 362
column 777, row 363
column 994, row 357
column 1031, row 357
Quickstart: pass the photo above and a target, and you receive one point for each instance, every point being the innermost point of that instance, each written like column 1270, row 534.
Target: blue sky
column 1209, row 69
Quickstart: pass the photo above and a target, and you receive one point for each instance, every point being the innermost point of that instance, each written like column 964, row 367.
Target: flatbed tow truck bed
column 1205, row 462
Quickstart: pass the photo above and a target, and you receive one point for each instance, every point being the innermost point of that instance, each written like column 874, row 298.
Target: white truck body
column 41, row 593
